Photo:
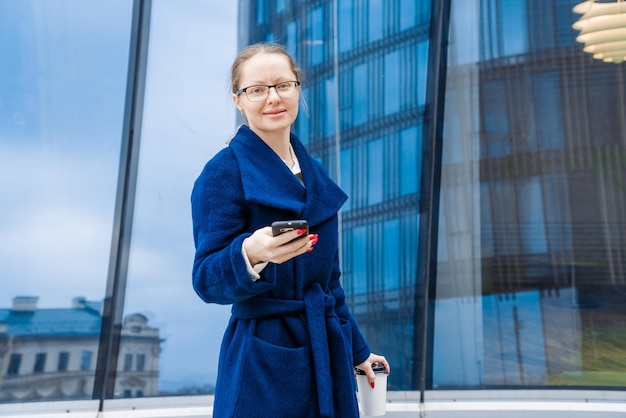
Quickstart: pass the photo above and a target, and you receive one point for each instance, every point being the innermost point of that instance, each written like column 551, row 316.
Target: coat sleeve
column 360, row 349
column 218, row 209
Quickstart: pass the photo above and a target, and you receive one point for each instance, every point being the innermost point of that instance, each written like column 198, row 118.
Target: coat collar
column 268, row 181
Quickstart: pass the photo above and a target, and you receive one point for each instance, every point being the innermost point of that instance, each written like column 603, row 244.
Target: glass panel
column 421, row 74
column 376, row 17
column 316, row 38
column 410, row 167
column 330, row 107
column 392, row 88
column 531, row 258
column 360, row 94
column 375, row 169
column 359, row 249
column 261, row 11
column 408, row 13
column 345, row 35
column 170, row 336
column 346, row 176
column 391, row 246
column 514, row 17
column 62, row 96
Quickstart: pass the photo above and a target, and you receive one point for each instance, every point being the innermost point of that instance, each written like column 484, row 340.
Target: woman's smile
column 274, row 112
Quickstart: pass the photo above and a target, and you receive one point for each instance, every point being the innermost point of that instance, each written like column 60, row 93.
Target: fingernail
column 309, row 250
column 313, row 240
column 301, row 231
column 372, row 384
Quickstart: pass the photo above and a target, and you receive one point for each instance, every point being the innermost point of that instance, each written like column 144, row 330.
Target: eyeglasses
column 284, row 89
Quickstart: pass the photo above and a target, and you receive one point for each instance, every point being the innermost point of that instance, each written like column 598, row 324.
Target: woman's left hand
column 366, row 366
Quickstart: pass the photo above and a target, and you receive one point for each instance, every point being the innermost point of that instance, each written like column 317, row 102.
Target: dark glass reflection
column 531, row 286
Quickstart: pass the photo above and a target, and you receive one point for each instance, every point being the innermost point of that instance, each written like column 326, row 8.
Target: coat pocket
column 276, row 381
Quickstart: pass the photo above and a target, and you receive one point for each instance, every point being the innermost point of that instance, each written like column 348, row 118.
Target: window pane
column 330, row 107
column 141, row 362
column 410, row 166
column 345, row 36
column 392, row 87
column 375, row 169
column 376, row 17
column 360, row 93
column 188, row 116
column 408, row 13
column 316, row 38
column 40, row 363
column 64, row 358
column 85, row 360
column 62, row 96
column 128, row 362
column 530, row 272
column 15, row 363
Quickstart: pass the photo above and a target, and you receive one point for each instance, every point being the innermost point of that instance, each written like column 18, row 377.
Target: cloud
column 56, row 225
column 59, row 181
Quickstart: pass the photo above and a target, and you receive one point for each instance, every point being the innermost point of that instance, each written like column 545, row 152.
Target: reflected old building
column 50, row 353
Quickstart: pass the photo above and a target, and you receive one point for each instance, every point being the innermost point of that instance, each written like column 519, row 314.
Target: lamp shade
column 602, row 29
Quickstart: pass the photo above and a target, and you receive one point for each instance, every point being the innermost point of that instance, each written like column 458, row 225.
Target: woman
column 291, row 343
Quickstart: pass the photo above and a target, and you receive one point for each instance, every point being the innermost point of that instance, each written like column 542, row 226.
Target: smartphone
column 280, row 227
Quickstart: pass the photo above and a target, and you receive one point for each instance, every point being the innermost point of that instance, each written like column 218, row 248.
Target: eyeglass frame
column 244, row 90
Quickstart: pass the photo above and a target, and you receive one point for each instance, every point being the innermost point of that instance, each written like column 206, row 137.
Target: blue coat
column 291, row 343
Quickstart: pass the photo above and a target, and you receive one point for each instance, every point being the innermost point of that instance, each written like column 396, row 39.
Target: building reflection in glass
column 531, row 282
column 529, row 260
column 49, row 354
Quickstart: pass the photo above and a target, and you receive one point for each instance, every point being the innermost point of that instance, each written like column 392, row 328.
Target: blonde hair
column 260, row 48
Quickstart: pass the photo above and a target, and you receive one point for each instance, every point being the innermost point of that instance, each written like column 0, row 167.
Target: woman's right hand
column 262, row 246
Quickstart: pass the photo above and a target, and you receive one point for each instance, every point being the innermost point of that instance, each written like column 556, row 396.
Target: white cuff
column 253, row 272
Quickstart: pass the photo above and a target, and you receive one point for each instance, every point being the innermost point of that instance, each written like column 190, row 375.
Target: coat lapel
column 268, row 181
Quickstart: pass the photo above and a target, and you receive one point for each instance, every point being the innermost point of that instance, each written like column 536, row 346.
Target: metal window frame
column 113, row 307
column 430, row 188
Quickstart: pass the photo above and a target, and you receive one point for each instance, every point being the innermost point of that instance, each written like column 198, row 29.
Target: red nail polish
column 372, row 384
column 301, row 231
column 309, row 250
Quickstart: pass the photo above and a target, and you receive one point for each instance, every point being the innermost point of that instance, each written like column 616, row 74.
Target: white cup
column 372, row 401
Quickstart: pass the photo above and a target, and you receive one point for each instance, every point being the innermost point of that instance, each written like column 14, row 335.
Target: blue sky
column 62, row 83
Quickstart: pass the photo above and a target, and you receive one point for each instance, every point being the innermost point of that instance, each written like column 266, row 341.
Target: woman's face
column 275, row 114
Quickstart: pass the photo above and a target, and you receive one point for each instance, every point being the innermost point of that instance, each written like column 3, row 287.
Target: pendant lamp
column 602, row 29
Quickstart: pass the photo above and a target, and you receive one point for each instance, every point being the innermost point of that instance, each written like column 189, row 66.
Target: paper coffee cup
column 372, row 401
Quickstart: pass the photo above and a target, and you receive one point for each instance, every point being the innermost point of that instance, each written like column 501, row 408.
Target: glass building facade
column 484, row 155
column 483, row 152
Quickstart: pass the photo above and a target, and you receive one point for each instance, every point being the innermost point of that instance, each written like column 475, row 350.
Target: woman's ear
column 238, row 104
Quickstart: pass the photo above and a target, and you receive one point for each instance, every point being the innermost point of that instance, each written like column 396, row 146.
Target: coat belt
column 333, row 374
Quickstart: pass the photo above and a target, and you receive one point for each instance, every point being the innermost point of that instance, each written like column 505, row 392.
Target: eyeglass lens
column 286, row 89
